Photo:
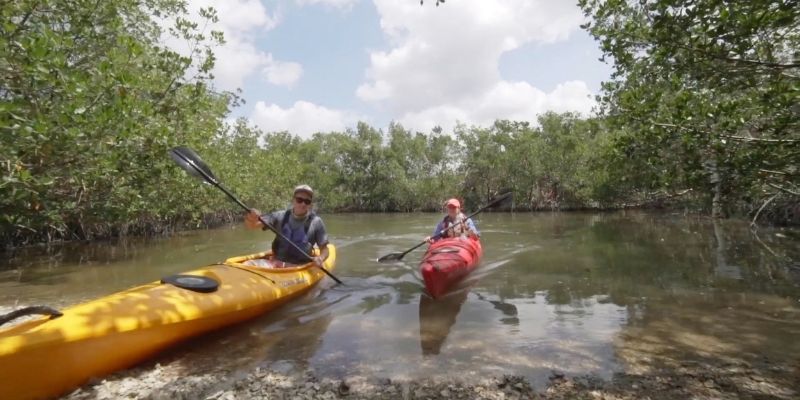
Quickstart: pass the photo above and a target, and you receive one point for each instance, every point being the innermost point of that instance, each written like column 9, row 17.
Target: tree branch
column 734, row 60
column 753, row 222
column 752, row 139
column 776, row 172
column 781, row 188
column 732, row 137
column 758, row 63
column 22, row 23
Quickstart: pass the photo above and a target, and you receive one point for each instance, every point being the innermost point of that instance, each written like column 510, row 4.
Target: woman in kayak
column 299, row 224
column 454, row 224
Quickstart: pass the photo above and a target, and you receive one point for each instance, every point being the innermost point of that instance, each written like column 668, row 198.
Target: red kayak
column 447, row 261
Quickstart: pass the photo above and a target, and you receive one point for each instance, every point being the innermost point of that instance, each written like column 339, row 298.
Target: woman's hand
column 429, row 239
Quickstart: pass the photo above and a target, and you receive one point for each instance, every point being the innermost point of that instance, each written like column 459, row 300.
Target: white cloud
column 518, row 101
column 241, row 15
column 302, row 119
column 237, row 60
column 379, row 90
column 443, row 64
column 571, row 96
column 340, row 4
column 282, row 73
column 241, row 22
column 445, row 116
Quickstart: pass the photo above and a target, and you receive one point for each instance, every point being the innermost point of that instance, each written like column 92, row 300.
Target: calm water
column 570, row 292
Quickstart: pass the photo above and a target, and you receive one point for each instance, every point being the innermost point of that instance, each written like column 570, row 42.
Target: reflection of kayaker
column 47, row 356
column 436, row 318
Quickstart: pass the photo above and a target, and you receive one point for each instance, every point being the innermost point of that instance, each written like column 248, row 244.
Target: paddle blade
column 391, row 257
column 190, row 162
column 501, row 199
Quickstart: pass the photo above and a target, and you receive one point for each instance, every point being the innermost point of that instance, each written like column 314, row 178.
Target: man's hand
column 318, row 261
column 251, row 219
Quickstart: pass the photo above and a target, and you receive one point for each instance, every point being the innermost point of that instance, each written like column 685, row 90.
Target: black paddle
column 187, row 159
column 399, row 256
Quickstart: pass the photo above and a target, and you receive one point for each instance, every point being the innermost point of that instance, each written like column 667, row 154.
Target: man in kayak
column 299, row 224
column 450, row 226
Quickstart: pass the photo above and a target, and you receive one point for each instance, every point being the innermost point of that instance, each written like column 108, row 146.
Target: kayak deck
column 447, row 261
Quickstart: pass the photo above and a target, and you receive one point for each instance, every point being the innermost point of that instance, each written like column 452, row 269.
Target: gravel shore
column 690, row 380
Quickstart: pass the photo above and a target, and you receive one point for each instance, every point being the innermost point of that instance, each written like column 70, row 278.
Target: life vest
column 448, row 230
column 286, row 252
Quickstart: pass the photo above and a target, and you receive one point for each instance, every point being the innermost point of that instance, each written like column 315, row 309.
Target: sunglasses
column 302, row 200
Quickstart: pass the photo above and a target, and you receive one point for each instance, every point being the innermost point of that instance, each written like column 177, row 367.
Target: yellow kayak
column 48, row 356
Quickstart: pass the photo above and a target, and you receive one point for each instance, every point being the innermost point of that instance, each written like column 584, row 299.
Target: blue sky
column 321, row 65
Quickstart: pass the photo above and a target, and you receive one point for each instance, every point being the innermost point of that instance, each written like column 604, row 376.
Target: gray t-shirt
column 316, row 231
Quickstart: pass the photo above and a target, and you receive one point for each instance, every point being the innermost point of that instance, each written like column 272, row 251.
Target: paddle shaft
column 246, row 208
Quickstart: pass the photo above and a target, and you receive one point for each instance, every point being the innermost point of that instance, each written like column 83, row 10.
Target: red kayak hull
column 448, row 261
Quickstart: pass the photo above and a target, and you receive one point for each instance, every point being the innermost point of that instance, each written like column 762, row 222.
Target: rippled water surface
column 571, row 292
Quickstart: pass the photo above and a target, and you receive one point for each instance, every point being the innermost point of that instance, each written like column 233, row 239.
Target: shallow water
column 578, row 293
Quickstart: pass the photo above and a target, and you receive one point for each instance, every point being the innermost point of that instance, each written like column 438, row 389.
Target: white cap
column 304, row 188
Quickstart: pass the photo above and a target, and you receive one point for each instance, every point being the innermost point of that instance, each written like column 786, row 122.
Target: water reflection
column 509, row 311
column 722, row 269
column 436, row 318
